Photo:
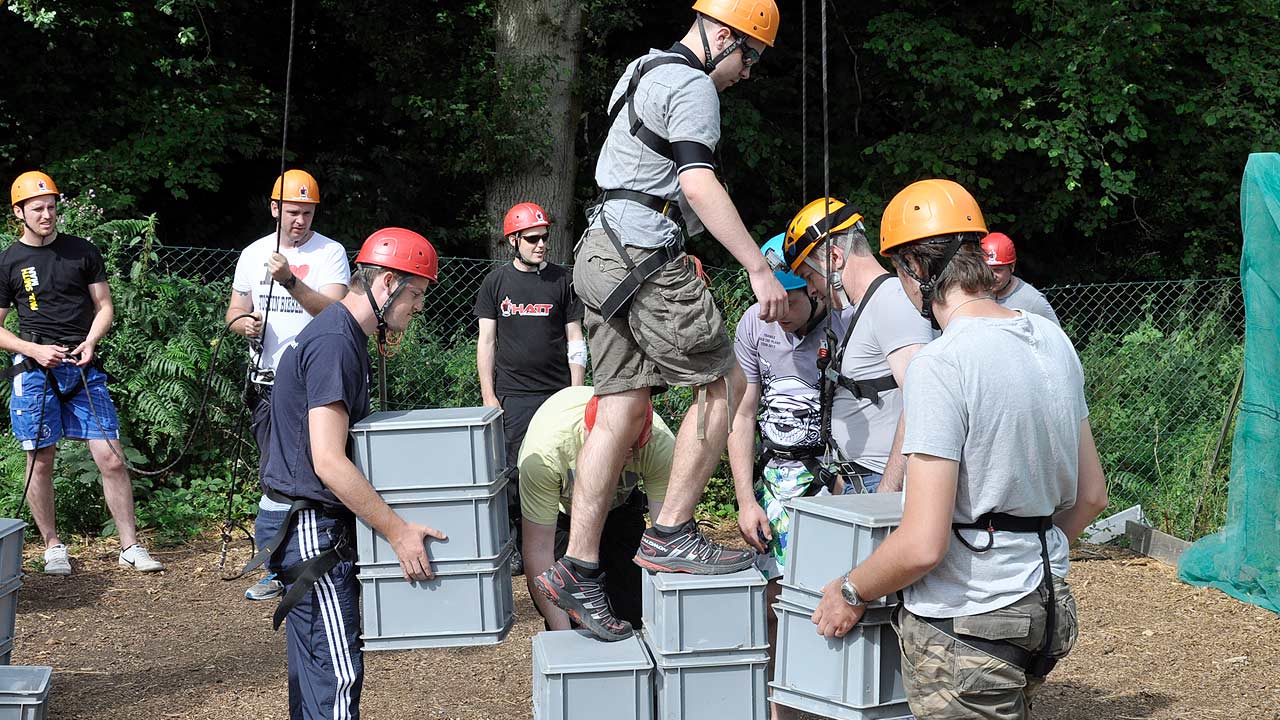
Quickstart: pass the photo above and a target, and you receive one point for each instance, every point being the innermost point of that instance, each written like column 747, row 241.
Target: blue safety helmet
column 790, row 281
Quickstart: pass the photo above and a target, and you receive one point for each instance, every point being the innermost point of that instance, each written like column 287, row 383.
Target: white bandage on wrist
column 578, row 352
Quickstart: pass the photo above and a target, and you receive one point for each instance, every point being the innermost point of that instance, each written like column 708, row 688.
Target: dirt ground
column 185, row 644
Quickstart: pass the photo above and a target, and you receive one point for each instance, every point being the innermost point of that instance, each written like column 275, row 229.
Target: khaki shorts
column 672, row 334
column 949, row 680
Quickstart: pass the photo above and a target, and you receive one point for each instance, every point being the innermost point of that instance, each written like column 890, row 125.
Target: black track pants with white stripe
column 326, row 665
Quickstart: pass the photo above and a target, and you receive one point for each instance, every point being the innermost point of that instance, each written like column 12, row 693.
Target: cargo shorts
column 946, row 679
column 672, row 334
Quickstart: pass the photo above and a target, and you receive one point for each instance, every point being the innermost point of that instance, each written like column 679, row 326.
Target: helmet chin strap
column 27, row 225
column 380, row 312
column 927, row 287
column 520, row 258
column 709, row 63
column 815, row 315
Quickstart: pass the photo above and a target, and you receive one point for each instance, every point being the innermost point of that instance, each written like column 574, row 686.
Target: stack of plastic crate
column 709, row 641
column 444, row 469
column 10, row 581
column 577, row 677
column 859, row 676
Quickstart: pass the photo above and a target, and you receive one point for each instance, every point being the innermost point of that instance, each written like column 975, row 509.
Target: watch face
column 850, row 595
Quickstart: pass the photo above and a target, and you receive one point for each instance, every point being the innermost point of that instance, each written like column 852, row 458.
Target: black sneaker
column 689, row 551
column 583, row 599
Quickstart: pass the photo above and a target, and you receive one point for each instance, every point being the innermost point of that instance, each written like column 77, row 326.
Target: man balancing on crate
column 321, row 390
column 547, row 460
column 1003, row 474
column 651, row 320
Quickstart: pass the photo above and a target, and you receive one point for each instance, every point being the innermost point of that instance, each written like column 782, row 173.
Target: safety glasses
column 750, row 55
column 535, row 239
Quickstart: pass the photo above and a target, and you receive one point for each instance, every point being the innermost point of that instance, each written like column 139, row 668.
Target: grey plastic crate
column 827, row 709
column 710, row 685
column 9, row 608
column 831, row 534
column 11, row 549
column 861, row 670
column 698, row 613
column 577, row 677
column 6, row 651
column 24, row 692
column 407, row 450
column 460, row 606
column 475, row 520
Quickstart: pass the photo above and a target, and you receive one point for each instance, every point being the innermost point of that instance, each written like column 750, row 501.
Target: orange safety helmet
column 523, row 216
column 400, row 249
column 812, row 225
column 926, row 209
column 646, row 430
column 299, row 187
column 30, row 184
column 999, row 250
column 754, row 18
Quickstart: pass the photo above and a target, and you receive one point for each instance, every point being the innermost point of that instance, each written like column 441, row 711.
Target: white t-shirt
column 861, row 429
column 319, row 262
column 1004, row 398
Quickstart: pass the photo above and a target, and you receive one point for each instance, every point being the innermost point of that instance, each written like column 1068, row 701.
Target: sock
column 668, row 531
column 589, row 570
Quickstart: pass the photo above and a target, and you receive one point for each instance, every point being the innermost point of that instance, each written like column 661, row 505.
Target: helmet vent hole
column 917, row 207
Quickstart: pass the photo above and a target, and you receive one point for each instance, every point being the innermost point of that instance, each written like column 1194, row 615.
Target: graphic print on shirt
column 508, row 308
column 30, row 281
column 281, row 300
column 790, row 413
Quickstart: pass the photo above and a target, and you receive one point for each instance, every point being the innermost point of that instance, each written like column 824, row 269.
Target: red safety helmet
column 523, row 216
column 999, row 249
column 646, row 431
column 400, row 249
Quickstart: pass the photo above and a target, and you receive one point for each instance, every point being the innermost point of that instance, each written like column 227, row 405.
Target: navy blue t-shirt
column 330, row 363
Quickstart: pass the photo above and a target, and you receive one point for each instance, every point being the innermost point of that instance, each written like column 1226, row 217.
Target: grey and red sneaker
column 689, row 551
column 583, row 599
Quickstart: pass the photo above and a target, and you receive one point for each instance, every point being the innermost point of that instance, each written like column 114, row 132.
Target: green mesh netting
column 1243, row 560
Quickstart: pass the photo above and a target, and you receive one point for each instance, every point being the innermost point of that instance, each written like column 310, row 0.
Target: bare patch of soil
column 185, row 644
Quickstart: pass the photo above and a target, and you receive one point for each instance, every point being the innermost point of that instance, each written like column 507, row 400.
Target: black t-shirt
column 329, row 364
column 531, row 309
column 50, row 285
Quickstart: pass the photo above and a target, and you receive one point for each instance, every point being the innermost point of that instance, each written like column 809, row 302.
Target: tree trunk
column 538, row 43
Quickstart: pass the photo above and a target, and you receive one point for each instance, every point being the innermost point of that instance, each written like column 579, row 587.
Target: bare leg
column 696, row 459
column 600, row 462
column 117, row 488
column 40, row 495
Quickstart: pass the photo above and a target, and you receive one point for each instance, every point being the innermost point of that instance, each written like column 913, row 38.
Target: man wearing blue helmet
column 779, row 360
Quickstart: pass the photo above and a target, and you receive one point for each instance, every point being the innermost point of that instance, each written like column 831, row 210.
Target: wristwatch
column 850, row 593
column 288, row 284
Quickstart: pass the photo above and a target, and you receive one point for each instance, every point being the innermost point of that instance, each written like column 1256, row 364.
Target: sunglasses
column 750, row 55
column 535, row 239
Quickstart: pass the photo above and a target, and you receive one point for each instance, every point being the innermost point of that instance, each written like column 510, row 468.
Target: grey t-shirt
column 1026, row 297
column 786, row 368
column 1004, row 398
column 679, row 103
column 863, row 431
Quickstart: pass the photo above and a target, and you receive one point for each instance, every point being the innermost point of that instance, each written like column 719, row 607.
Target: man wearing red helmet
column 547, row 461
column 1011, row 291
column 321, row 390
column 531, row 342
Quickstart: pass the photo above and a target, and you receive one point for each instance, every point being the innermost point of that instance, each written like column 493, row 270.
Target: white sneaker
column 139, row 559
column 56, row 561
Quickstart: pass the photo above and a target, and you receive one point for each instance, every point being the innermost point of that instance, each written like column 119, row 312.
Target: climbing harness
column 1036, row 662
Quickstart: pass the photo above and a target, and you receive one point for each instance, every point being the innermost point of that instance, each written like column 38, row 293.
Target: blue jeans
column 326, row 663
column 870, row 481
column 76, row 418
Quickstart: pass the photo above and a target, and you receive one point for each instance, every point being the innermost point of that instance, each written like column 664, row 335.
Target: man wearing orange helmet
column 321, row 390
column 302, row 272
column 1011, row 291
column 826, row 245
column 531, row 342
column 59, row 284
column 1002, row 474
column 651, row 320
column 547, row 461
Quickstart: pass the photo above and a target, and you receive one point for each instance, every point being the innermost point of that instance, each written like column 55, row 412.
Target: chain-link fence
column 1160, row 358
